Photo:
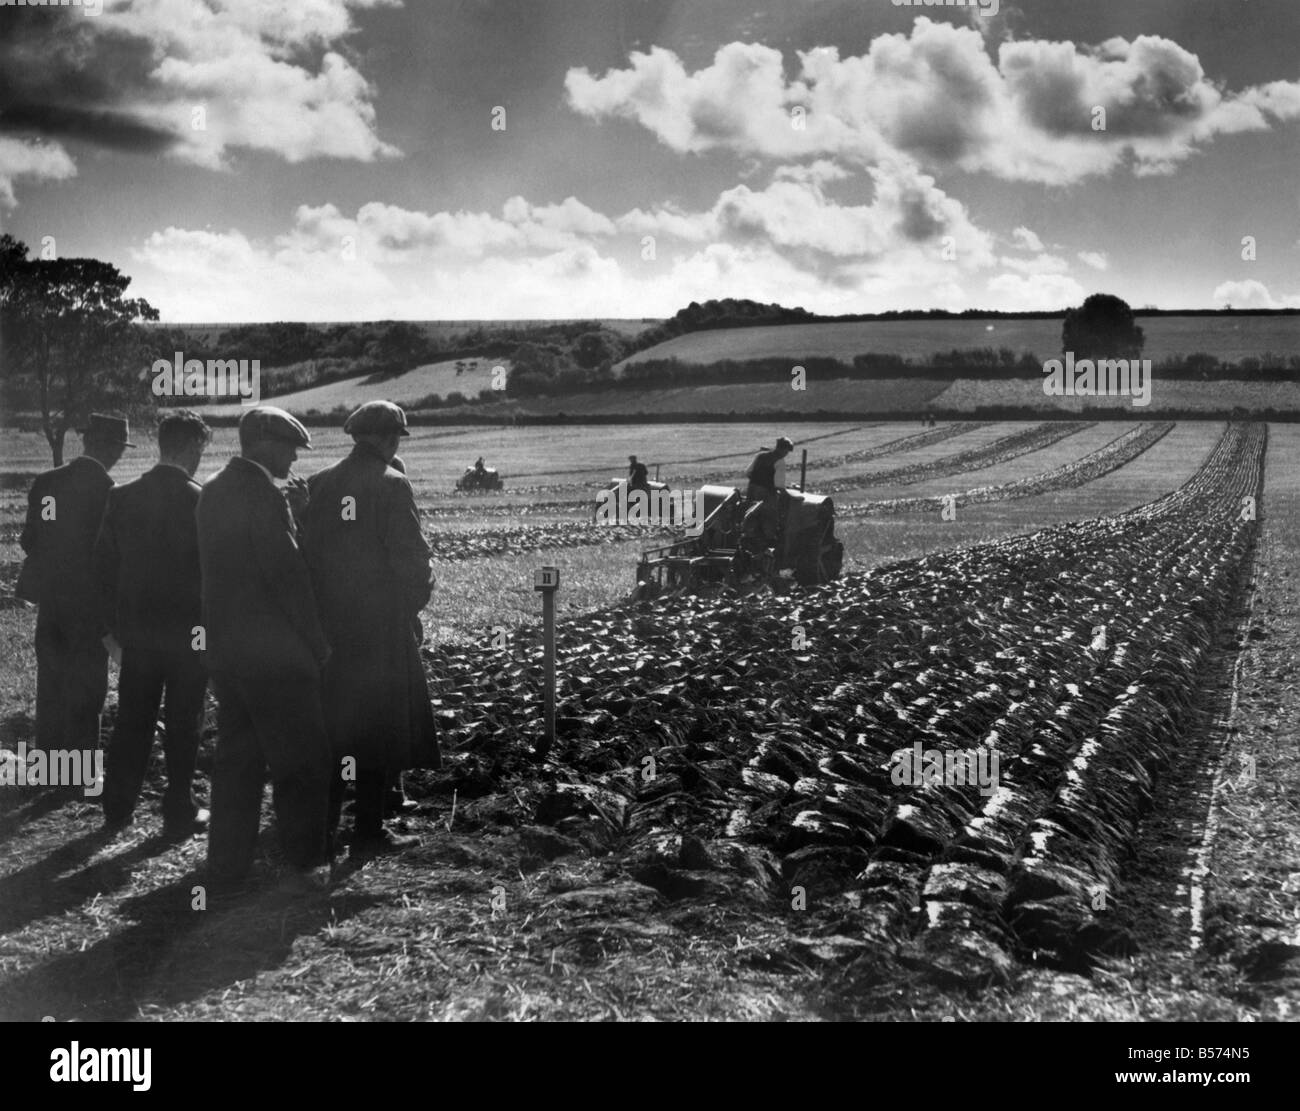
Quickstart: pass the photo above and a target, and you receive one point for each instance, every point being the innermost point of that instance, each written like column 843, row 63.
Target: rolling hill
column 1227, row 337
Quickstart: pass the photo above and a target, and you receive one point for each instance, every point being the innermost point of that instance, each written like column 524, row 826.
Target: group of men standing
column 300, row 607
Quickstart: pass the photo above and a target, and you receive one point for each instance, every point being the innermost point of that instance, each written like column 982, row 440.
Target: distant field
column 967, row 394
column 882, row 396
column 846, row 395
column 885, row 396
column 414, row 385
column 1226, row 337
column 436, row 329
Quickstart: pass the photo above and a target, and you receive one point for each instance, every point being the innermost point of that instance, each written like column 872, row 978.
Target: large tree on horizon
column 67, row 324
column 1102, row 327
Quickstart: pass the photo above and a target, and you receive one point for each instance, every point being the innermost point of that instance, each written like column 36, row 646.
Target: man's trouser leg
column 71, row 683
column 372, row 785
column 86, row 686
column 50, row 666
column 187, row 688
column 238, row 774
column 139, row 692
column 275, row 724
column 291, row 727
column 759, row 525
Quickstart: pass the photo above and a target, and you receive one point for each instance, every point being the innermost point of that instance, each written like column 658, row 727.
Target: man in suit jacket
column 64, row 510
column 147, row 560
column 371, row 572
column 265, row 649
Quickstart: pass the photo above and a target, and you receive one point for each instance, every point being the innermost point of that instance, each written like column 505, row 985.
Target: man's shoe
column 396, row 802
column 185, row 828
column 306, row 881
column 223, row 887
column 383, row 842
column 113, row 826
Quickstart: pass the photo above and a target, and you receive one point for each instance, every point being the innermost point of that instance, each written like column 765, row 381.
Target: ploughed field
column 929, row 776
column 1071, row 655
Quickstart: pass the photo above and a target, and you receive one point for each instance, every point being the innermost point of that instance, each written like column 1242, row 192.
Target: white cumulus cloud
column 1252, row 294
column 22, row 158
column 938, row 96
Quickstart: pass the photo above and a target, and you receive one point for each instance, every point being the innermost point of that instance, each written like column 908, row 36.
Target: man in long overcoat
column 265, row 649
column 372, row 576
column 64, row 511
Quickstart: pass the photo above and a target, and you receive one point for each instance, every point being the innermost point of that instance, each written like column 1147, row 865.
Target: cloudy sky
column 361, row 159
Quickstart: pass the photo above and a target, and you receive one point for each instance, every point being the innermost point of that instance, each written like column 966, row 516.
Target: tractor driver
column 638, row 477
column 766, row 475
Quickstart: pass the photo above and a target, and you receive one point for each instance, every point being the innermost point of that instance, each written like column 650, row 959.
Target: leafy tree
column 66, row 324
column 595, row 349
column 1102, row 328
column 532, row 370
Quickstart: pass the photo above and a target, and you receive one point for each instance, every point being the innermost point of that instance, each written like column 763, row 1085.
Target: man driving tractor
column 638, row 476
column 766, row 476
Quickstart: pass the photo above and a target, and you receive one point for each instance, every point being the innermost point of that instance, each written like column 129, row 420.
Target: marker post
column 546, row 580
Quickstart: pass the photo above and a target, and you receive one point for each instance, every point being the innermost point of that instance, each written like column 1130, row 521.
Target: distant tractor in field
column 479, row 478
column 620, row 503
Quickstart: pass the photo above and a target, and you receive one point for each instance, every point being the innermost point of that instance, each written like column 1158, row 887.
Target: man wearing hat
column 371, row 572
column 264, row 651
column 64, row 510
column 638, row 476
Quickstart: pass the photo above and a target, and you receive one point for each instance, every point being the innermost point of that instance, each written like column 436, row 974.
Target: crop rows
column 862, row 455
column 1119, row 452
column 734, row 475
column 742, row 461
column 771, row 724
column 454, row 547
column 1001, row 450
column 480, row 543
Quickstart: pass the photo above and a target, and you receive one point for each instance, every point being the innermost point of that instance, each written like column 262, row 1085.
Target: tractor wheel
column 645, row 591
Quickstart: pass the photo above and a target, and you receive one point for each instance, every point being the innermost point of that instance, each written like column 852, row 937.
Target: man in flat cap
column 64, row 510
column 265, row 649
column 371, row 572
column 147, row 560
column 761, row 525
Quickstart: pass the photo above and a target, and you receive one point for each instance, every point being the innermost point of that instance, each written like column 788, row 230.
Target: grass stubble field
column 582, row 890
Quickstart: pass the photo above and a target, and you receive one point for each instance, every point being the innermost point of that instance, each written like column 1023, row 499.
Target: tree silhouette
column 66, row 323
column 1102, row 328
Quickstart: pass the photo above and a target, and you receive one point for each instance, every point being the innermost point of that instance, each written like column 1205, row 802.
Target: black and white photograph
column 730, row 511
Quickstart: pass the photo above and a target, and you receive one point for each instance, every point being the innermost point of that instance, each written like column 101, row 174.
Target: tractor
column 806, row 548
column 618, row 503
column 475, row 479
